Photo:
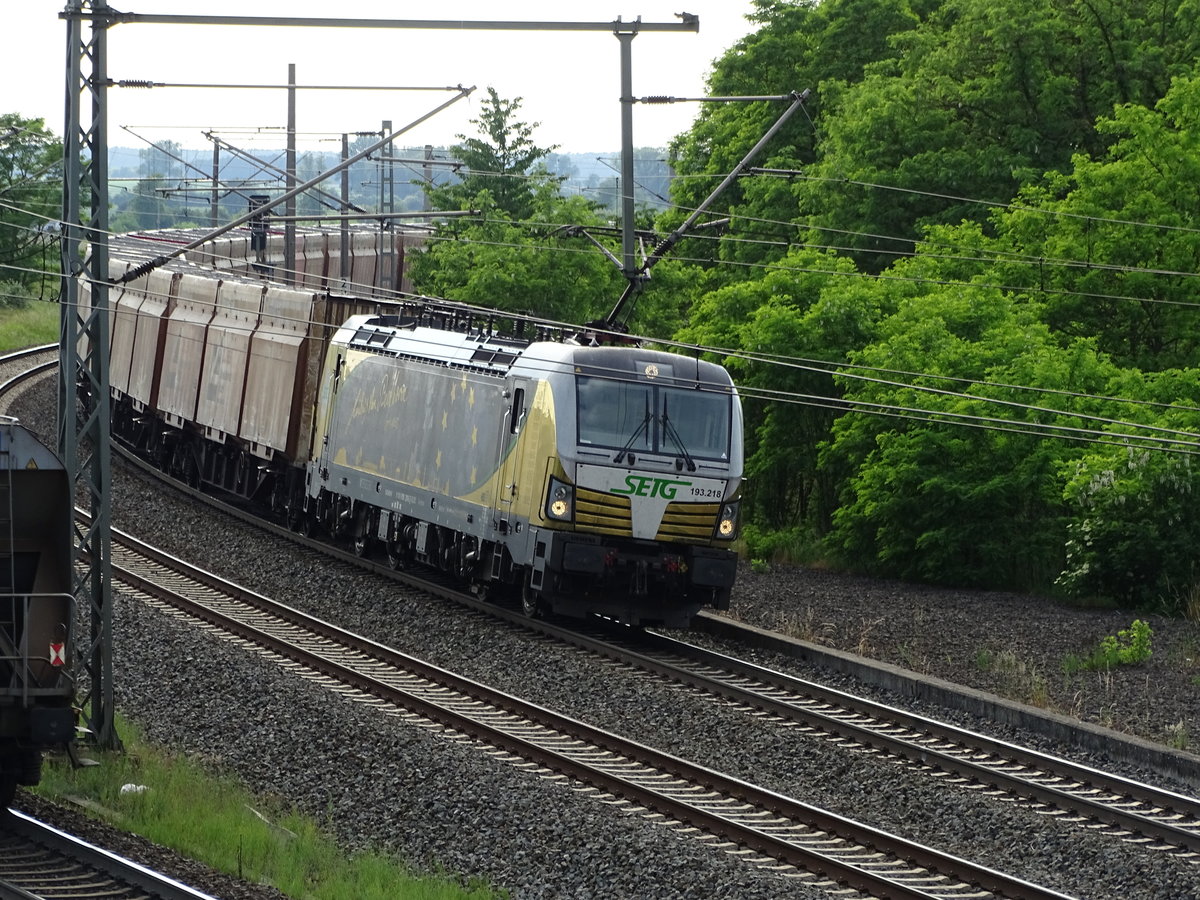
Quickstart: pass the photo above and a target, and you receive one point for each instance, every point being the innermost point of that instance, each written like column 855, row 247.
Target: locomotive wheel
column 397, row 557
column 531, row 601
column 360, row 545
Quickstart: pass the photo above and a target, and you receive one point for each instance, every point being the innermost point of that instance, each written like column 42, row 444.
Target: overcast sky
column 569, row 82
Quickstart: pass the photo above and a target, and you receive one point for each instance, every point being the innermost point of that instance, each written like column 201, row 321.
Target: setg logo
column 648, row 486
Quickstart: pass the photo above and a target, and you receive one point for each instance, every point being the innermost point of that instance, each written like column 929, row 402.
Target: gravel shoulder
column 1013, row 645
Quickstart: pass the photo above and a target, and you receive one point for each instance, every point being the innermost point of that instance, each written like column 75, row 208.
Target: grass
column 1017, row 678
column 37, row 322
column 214, row 820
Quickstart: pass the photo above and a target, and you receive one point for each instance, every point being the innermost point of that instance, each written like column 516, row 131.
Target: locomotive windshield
column 648, row 417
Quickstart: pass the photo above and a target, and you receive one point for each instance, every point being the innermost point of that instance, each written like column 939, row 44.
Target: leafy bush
column 1135, row 529
column 14, row 295
column 1130, row 647
column 793, row 545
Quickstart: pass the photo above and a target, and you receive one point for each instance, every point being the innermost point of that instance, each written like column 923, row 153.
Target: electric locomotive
column 593, row 480
column 36, row 607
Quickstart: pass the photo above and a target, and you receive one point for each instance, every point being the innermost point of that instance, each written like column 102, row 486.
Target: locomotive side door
column 509, row 495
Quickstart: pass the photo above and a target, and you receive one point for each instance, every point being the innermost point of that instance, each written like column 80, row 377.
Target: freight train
column 519, row 459
column 37, row 691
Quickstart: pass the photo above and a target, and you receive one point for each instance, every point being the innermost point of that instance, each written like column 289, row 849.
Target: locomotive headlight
column 560, row 501
column 727, row 524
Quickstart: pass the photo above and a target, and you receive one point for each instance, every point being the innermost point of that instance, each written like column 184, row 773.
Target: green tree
column 30, row 198
column 798, row 46
column 924, row 496
column 500, row 161
column 807, row 309
column 983, row 96
column 538, row 268
column 1135, row 523
column 145, row 209
column 1119, row 255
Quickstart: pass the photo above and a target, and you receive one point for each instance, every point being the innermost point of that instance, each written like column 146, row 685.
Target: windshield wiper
column 640, row 430
column 674, row 436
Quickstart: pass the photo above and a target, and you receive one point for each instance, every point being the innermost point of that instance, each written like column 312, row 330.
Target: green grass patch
column 29, row 325
column 214, row 820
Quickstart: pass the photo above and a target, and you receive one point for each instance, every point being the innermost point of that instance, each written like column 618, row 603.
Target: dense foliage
column 30, row 203
column 974, row 273
column 521, row 250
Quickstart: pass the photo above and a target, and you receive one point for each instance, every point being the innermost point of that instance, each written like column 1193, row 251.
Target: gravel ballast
column 378, row 779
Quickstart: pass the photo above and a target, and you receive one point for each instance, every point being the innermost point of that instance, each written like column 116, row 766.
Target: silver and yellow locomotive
column 591, row 479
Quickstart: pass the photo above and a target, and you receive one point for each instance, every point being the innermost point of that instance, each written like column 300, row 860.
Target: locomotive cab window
column 700, row 420
column 613, row 413
column 644, row 417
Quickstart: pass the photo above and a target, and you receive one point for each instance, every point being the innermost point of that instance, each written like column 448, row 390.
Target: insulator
column 135, row 83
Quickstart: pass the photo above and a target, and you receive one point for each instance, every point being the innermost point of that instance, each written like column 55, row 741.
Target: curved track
column 22, row 366
column 1128, row 810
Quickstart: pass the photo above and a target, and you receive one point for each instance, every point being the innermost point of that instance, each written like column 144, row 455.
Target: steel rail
column 49, row 863
column 1163, row 815
column 26, row 354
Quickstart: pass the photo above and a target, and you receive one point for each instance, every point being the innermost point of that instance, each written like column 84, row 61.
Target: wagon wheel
column 191, row 473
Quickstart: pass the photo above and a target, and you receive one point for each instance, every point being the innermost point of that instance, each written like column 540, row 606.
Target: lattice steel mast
column 83, row 348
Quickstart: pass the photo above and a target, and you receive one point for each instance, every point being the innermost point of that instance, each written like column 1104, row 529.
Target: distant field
column 36, row 323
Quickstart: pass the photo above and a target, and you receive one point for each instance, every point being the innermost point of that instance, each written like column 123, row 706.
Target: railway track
column 1127, row 810
column 39, row 862
column 778, row 829
column 1130, row 810
column 20, row 367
